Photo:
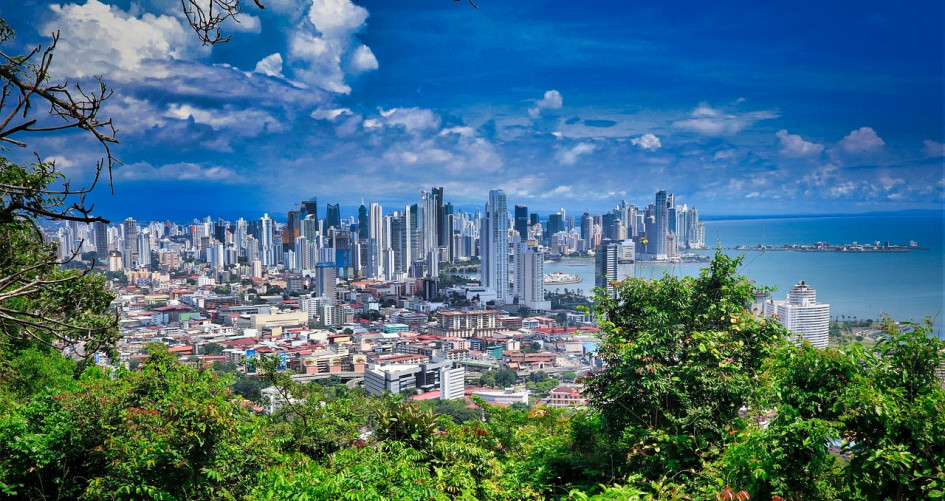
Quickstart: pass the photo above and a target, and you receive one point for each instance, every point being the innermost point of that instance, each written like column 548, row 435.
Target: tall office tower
column 364, row 231
column 401, row 241
column 521, row 221
column 413, row 218
column 100, row 234
column 494, row 246
column 341, row 242
column 129, row 252
column 144, row 250
column 615, row 261
column 662, row 226
column 302, row 254
column 695, row 230
column 325, row 274
column 555, row 224
column 587, row 228
column 239, row 236
column 439, row 221
column 293, row 224
column 379, row 241
column 267, row 246
column 447, row 227
column 426, row 219
column 333, row 216
column 800, row 313
column 309, row 227
column 308, row 208
column 530, row 276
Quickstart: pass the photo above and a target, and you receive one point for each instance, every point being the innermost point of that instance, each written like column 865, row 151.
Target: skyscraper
column 494, row 244
column 530, row 276
column 662, row 225
column 100, row 236
column 521, row 221
column 309, row 208
column 615, row 261
column 332, row 216
column 129, row 254
column 266, row 243
column 363, row 230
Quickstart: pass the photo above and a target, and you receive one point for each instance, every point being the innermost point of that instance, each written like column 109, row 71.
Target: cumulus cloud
column 862, row 140
column 327, row 38
column 570, row 156
column 934, row 149
column 410, row 119
column 647, row 142
column 270, row 65
column 363, row 59
column 245, row 24
column 792, row 145
column 551, row 101
column 248, row 122
column 96, row 39
column 709, row 121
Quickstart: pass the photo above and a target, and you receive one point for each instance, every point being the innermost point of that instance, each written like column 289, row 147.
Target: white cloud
column 270, row 65
column 337, row 18
column 411, row 119
column 709, row 121
column 323, row 114
column 244, row 23
column 182, row 171
column 459, row 130
column 552, row 100
column 723, row 155
column 889, row 183
column 363, row 59
column 248, row 122
column 570, row 156
column 862, row 140
column 327, row 38
column 934, row 149
column 96, row 39
column 647, row 142
column 842, row 190
column 792, row 145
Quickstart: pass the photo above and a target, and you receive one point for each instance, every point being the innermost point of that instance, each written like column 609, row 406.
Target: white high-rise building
column 494, row 246
column 530, row 276
column 801, row 314
column 266, row 240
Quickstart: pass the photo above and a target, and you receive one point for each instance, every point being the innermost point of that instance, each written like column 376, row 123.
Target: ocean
column 904, row 286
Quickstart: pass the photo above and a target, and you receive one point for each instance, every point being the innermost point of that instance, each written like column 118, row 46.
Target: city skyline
column 744, row 108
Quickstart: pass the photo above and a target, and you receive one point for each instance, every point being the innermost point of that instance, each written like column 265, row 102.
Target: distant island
column 828, row 247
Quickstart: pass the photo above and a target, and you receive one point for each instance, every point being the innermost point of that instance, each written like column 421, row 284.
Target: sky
column 736, row 107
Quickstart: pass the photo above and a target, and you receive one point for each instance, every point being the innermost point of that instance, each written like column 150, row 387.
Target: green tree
column 213, row 349
column 682, row 357
column 168, row 431
column 487, row 379
column 505, row 378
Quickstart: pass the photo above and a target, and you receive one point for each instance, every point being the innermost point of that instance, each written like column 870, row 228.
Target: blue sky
column 736, row 107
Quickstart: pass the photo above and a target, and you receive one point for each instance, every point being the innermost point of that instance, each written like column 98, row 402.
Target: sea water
column 902, row 285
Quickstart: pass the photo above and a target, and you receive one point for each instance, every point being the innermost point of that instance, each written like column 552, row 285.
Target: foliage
column 168, row 431
column 213, row 349
column 683, row 356
column 505, row 378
